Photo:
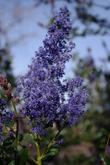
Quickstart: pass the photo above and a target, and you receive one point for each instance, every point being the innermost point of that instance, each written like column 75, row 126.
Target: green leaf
column 52, row 152
column 24, row 156
column 11, row 163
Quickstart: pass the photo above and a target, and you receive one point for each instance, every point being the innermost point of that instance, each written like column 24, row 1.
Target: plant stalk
column 17, row 129
column 39, row 157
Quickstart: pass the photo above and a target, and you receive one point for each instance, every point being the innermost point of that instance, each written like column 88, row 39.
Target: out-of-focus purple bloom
column 7, row 116
column 60, row 141
column 11, row 133
column 3, row 103
column 108, row 150
column 1, row 127
column 89, row 61
column 48, row 99
column 92, row 77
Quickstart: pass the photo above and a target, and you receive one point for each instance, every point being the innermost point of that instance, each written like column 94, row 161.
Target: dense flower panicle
column 47, row 98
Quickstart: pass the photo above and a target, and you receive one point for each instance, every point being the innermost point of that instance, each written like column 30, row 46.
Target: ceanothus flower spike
column 42, row 87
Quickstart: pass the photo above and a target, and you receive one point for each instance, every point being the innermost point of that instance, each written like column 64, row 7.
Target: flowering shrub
column 47, row 103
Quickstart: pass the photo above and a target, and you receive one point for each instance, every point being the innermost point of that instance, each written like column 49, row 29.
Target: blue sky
column 22, row 52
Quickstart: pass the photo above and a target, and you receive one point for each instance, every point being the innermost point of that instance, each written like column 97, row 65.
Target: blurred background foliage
column 5, row 64
column 86, row 142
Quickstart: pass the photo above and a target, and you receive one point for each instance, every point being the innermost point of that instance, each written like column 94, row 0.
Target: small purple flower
column 7, row 117
column 3, row 103
column 11, row 133
column 60, row 141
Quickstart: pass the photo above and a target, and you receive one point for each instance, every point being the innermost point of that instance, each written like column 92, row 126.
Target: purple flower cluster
column 3, row 103
column 2, row 106
column 6, row 117
column 47, row 99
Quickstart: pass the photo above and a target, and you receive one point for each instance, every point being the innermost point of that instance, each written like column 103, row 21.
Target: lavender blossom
column 42, row 88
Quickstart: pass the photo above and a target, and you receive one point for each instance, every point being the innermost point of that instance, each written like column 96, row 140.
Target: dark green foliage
column 6, row 65
column 6, row 150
